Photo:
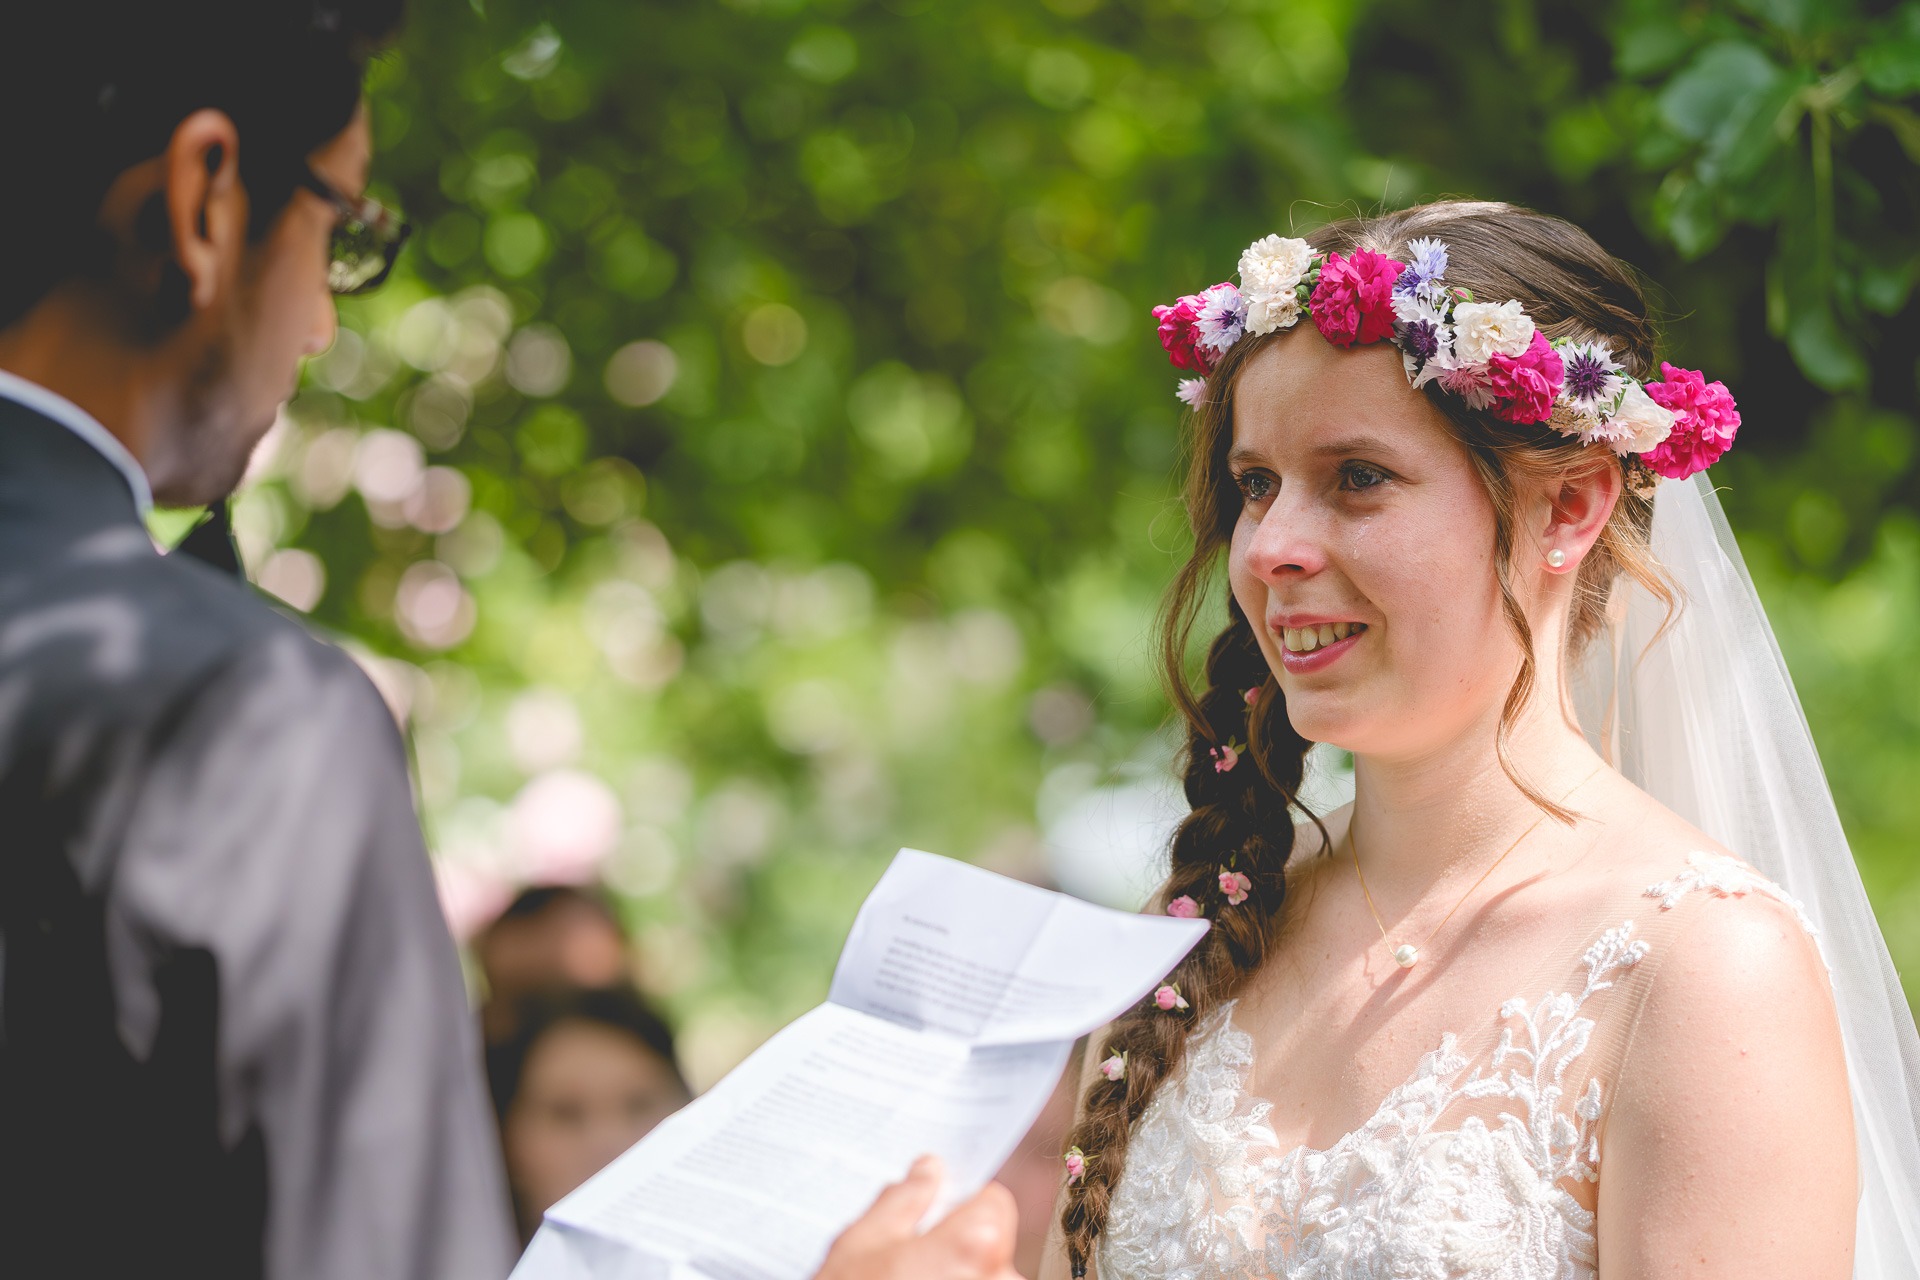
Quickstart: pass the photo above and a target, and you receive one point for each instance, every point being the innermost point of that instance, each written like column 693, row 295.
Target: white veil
column 1704, row 717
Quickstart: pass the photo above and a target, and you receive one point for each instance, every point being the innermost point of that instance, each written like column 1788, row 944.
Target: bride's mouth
column 1315, row 647
column 1307, row 639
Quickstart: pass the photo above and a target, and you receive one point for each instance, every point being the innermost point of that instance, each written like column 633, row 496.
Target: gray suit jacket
column 233, row 1035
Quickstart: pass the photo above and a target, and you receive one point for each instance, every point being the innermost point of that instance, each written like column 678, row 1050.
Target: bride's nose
column 1289, row 541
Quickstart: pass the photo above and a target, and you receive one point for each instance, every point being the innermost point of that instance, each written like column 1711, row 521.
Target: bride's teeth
column 1308, row 639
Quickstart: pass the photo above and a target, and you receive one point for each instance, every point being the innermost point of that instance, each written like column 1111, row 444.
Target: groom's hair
column 96, row 86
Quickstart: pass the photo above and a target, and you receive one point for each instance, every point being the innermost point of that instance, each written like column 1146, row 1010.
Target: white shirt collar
column 83, row 424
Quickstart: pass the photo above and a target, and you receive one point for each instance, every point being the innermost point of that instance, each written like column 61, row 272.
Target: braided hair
column 1244, row 761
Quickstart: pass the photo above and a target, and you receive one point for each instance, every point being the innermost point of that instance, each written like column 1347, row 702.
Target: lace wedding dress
column 1483, row 1166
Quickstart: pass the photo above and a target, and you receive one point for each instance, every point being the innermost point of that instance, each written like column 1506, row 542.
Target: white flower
column 1409, row 307
column 1267, row 312
column 1191, row 391
column 1582, row 426
column 1483, row 330
column 1271, row 270
column 1638, row 424
column 1275, row 264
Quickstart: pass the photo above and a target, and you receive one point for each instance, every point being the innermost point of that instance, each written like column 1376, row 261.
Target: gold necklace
column 1406, row 955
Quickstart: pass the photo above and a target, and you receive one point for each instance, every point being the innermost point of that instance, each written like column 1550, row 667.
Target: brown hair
column 1241, row 818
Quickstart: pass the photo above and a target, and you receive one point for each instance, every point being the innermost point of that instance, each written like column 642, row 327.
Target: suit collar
column 54, row 485
column 57, row 408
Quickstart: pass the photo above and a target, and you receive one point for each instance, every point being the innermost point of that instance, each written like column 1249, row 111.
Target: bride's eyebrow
column 1354, row 444
column 1345, row 446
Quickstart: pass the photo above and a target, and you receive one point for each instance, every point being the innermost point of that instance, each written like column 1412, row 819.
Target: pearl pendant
column 1406, row 955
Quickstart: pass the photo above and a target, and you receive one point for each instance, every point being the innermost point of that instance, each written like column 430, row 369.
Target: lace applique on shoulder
column 1725, row 877
column 1465, row 1171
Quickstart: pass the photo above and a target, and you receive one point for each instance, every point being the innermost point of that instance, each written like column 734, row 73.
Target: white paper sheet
column 955, row 1004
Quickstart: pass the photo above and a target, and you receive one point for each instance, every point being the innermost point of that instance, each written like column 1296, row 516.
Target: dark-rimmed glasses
column 367, row 237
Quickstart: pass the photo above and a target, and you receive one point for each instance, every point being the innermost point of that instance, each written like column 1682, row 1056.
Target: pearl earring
column 1556, row 557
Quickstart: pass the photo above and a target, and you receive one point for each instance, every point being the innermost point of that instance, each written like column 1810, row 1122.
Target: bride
column 1522, row 1009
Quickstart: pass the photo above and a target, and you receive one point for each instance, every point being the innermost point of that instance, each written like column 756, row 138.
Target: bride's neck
column 1452, row 807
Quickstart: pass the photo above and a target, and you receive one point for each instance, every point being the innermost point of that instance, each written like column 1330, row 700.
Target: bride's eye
column 1358, row 476
column 1255, row 486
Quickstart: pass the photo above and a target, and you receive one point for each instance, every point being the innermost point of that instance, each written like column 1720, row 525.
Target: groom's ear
column 207, row 208
column 179, row 221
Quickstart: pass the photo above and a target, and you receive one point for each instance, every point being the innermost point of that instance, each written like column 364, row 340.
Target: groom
column 233, row 1035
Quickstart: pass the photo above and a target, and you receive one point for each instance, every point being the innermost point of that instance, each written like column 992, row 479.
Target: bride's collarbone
column 1334, row 1025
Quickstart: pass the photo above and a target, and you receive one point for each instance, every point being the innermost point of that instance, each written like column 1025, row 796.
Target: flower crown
column 1489, row 354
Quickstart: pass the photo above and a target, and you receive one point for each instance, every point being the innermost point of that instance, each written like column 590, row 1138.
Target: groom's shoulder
column 122, row 635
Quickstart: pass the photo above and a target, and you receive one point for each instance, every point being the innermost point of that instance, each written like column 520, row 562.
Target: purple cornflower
column 1592, row 377
column 1222, row 319
column 1426, row 263
column 1419, row 339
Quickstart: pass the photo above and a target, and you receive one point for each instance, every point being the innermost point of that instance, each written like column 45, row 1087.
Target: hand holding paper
column 975, row 1242
column 952, row 1012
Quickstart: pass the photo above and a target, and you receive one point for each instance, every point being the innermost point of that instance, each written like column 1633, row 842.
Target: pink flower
column 1353, row 303
column 1471, row 382
column 1076, row 1161
column 1253, row 695
column 1168, row 998
column 1191, row 392
column 1704, row 422
column 1184, row 907
column 1235, row 885
column 1180, row 333
column 1224, row 758
column 1115, row 1067
column 1524, row 386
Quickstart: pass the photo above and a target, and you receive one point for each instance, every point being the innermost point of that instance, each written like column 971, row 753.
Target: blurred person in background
column 232, row 1025
column 585, row 1076
column 549, row 938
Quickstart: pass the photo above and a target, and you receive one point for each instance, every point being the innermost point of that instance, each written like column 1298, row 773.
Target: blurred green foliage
column 763, row 458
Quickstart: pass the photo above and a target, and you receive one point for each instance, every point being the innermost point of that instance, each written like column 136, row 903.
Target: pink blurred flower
column 1224, row 758
column 1115, row 1067
column 1168, row 998
column 1184, row 907
column 1236, row 885
column 1191, row 392
column 1076, row 1162
column 1524, row 386
column 1353, row 303
column 1704, row 423
column 1252, row 695
column 472, row 896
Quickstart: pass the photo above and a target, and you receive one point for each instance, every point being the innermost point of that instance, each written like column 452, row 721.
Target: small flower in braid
column 1241, row 822
column 1076, row 1162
